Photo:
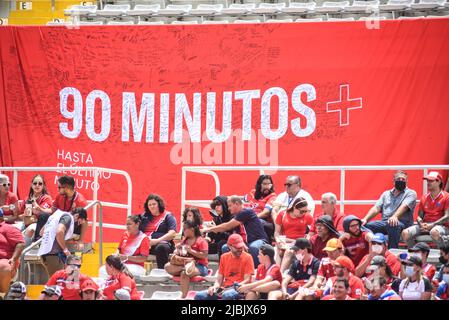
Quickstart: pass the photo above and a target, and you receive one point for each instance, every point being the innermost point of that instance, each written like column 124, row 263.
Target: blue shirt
column 299, row 272
column 252, row 224
column 388, row 204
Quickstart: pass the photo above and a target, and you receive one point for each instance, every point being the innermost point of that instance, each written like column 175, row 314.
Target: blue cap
column 1, row 213
column 379, row 238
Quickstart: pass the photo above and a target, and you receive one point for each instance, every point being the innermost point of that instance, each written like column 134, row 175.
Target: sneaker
column 190, row 268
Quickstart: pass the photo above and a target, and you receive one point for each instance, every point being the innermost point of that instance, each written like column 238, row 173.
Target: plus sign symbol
column 343, row 105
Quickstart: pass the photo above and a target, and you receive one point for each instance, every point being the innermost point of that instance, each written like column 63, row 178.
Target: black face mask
column 399, row 185
column 442, row 260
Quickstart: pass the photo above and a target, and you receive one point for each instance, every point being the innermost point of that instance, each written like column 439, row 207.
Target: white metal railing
column 211, row 170
column 96, row 172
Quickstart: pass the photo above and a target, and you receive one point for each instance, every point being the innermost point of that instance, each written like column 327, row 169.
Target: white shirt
column 284, row 202
column 413, row 290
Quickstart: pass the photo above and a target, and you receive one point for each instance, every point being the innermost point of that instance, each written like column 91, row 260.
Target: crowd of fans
column 270, row 246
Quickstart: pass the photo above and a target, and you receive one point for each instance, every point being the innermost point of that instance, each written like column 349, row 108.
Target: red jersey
column 319, row 244
column 337, row 219
column 429, row 271
column 44, row 201
column 10, row 236
column 200, row 245
column 326, row 269
column 392, row 261
column 294, row 228
column 121, row 281
column 356, row 286
column 61, row 202
column 274, row 271
column 356, row 247
column 69, row 288
column 11, row 198
column 134, row 245
column 260, row 204
column 434, row 208
column 234, row 269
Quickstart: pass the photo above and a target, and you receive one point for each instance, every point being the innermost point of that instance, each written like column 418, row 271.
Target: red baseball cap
column 433, row 175
column 344, row 261
column 236, row 241
column 89, row 285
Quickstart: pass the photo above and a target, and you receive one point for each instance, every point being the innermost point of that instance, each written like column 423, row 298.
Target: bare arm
column 264, row 214
column 223, row 227
column 310, row 282
column 374, row 211
column 60, row 236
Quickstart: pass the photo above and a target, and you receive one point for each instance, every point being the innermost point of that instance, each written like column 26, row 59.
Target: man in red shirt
column 355, row 239
column 378, row 248
column 236, row 268
column 268, row 276
column 70, row 280
column 67, row 200
column 433, row 214
column 11, row 247
column 9, row 202
column 344, row 268
column 334, row 249
column 325, row 231
column 328, row 205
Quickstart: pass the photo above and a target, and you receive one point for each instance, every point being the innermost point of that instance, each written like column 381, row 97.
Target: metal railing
column 34, row 244
column 211, row 170
column 96, row 171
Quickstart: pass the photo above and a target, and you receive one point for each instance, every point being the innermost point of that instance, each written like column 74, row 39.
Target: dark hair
column 381, row 280
column 445, row 249
column 115, row 262
column 44, row 186
column 197, row 218
column 135, row 218
column 344, row 281
column 298, row 203
column 268, row 250
column 258, row 194
column 82, row 213
column 67, row 180
column 192, row 225
column 160, row 204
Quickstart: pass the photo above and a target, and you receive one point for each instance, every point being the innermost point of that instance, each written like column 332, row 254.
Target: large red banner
column 151, row 99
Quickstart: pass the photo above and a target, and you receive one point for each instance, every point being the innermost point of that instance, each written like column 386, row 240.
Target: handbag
column 177, row 260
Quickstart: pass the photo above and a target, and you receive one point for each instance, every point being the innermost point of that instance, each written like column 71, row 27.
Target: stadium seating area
column 156, row 12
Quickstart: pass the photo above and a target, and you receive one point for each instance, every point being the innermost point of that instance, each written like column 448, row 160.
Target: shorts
column 202, row 269
column 414, row 230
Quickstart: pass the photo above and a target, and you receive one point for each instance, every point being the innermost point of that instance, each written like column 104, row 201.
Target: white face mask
column 416, row 254
column 377, row 248
column 446, row 278
column 409, row 271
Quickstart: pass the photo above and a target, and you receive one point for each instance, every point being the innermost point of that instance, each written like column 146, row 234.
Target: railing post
column 342, row 190
column 424, row 182
column 101, row 234
column 15, row 181
column 94, row 209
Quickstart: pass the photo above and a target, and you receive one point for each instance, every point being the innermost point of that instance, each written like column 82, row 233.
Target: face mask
column 377, row 248
column 300, row 257
column 442, row 260
column 409, row 271
column 415, row 254
column 399, row 185
column 446, row 278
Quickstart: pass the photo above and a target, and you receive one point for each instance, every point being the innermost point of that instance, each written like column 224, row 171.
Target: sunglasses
column 289, row 184
column 6, row 184
column 38, row 183
column 75, row 265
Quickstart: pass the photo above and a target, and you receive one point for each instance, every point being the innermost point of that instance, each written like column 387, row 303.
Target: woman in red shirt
column 291, row 225
column 119, row 278
column 38, row 201
column 133, row 249
column 195, row 246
